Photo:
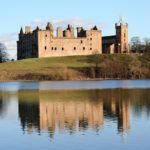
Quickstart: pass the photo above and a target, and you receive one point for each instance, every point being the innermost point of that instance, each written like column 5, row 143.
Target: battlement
column 69, row 32
column 121, row 24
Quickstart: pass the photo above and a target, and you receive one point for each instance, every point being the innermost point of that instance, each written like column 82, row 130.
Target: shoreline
column 96, row 79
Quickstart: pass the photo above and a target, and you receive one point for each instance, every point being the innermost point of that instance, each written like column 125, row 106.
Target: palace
column 43, row 43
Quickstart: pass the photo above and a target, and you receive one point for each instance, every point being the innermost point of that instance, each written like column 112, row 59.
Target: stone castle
column 42, row 43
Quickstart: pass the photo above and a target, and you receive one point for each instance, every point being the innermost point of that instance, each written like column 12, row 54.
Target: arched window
column 74, row 48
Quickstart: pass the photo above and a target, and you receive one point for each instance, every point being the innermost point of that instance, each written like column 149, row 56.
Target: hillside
column 117, row 66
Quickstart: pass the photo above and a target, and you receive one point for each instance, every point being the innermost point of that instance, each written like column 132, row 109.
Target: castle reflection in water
column 77, row 111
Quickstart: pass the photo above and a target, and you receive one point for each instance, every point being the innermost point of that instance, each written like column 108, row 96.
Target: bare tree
column 147, row 45
column 135, row 44
column 3, row 54
column 135, row 67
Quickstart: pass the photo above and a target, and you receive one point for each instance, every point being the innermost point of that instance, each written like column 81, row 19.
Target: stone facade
column 42, row 43
column 117, row 43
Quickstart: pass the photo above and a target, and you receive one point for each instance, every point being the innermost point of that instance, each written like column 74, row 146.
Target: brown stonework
column 117, row 43
column 42, row 43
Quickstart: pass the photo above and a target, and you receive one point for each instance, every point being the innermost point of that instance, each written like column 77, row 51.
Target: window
column 81, row 41
column 74, row 48
column 91, row 39
column 52, row 48
column 46, row 35
column 62, row 48
column 83, row 48
column 55, row 48
column 45, row 48
column 90, row 48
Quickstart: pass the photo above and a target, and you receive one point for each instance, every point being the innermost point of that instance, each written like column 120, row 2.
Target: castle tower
column 50, row 28
column 122, row 37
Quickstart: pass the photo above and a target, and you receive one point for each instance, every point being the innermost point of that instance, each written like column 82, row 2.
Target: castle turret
column 95, row 28
column 67, row 34
column 37, row 28
column 50, row 28
column 21, row 31
column 71, row 29
column 122, row 37
column 81, row 32
column 27, row 29
column 21, row 34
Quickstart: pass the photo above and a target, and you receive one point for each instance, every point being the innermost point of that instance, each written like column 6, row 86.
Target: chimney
column 59, row 32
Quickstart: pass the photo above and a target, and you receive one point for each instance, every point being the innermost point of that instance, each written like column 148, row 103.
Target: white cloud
column 75, row 22
column 9, row 39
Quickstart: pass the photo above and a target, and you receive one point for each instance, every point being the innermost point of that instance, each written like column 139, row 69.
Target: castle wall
column 55, row 46
column 42, row 43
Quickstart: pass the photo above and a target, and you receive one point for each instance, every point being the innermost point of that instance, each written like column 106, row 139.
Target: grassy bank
column 118, row 66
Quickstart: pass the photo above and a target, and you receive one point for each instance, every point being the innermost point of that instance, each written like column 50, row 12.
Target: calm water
column 91, row 115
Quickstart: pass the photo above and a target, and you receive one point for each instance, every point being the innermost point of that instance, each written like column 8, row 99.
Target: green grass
column 45, row 63
column 51, row 62
column 53, row 68
column 76, row 67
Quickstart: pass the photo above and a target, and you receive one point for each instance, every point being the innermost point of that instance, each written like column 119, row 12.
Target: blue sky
column 104, row 13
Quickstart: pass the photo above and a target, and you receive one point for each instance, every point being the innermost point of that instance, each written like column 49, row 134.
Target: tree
column 145, row 58
column 3, row 54
column 135, row 44
column 147, row 45
column 135, row 67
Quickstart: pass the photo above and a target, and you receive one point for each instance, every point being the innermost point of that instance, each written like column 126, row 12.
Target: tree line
column 120, row 66
column 133, row 65
column 139, row 46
